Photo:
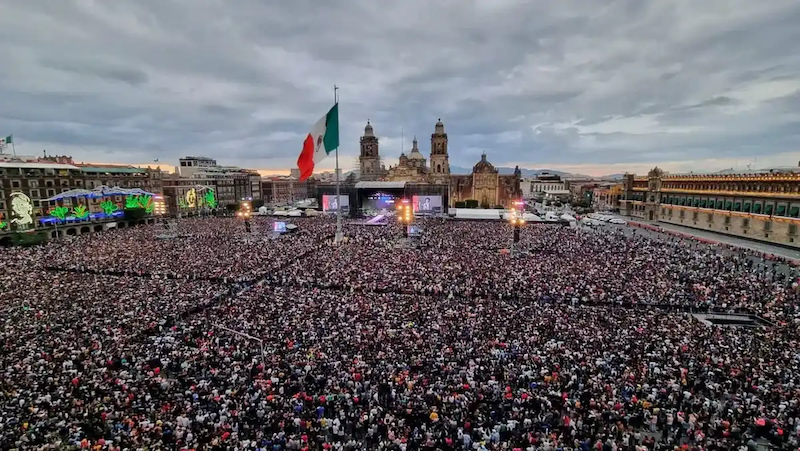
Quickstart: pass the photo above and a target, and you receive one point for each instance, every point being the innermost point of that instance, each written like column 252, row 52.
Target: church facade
column 484, row 184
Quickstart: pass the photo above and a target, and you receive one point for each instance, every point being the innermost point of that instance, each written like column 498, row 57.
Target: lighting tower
column 405, row 215
column 245, row 212
column 516, row 220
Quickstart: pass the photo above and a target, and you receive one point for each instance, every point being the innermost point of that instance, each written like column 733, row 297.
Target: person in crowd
column 216, row 340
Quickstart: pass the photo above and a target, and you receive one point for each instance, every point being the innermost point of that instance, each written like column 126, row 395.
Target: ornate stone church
column 484, row 184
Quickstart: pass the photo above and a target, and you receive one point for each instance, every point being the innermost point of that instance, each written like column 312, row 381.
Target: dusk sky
column 587, row 87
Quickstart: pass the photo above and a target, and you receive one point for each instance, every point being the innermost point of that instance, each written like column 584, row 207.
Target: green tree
column 461, row 204
column 471, row 203
column 29, row 239
column 134, row 213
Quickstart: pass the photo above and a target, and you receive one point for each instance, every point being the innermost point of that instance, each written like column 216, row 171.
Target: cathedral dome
column 483, row 166
column 415, row 153
column 368, row 130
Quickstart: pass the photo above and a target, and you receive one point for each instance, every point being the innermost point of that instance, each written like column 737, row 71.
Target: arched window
column 438, row 168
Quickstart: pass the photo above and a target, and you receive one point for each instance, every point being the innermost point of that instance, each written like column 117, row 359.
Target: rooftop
column 35, row 165
column 380, row 185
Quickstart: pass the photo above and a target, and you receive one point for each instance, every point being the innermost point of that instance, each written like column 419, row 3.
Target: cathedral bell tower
column 440, row 162
column 369, row 161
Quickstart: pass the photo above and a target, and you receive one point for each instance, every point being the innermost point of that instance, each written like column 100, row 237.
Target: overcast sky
column 612, row 87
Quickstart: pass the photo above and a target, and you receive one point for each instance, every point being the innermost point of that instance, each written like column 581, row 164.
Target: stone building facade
column 763, row 206
column 485, row 184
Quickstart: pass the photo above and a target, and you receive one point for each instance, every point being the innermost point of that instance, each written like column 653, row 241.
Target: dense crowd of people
column 223, row 339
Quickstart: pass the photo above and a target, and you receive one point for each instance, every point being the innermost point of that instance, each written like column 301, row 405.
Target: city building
column 231, row 184
column 547, row 186
column 36, row 179
column 606, row 197
column 759, row 205
column 281, row 191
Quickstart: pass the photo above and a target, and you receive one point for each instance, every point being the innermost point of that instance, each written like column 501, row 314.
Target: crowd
column 217, row 340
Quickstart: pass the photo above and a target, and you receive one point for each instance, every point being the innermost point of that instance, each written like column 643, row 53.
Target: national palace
column 760, row 205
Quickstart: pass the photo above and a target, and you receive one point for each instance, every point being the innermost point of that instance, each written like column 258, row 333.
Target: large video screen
column 380, row 201
column 427, row 204
column 329, row 202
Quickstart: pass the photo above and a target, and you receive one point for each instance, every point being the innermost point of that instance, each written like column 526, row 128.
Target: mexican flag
column 6, row 141
column 321, row 141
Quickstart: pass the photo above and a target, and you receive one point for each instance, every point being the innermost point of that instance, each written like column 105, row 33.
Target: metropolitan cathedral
column 484, row 184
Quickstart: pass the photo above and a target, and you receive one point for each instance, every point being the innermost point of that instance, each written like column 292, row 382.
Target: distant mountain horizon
column 503, row 170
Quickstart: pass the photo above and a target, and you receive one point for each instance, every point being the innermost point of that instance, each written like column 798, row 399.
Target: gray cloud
column 567, row 84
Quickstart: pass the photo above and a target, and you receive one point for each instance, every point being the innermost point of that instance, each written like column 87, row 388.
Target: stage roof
column 380, row 185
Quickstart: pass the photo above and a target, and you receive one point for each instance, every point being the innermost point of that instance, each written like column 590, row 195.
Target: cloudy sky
column 612, row 87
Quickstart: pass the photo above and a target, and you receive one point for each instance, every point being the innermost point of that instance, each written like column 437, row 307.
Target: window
column 33, row 183
column 745, row 223
column 682, row 214
column 15, row 184
column 694, row 216
column 48, row 183
column 34, row 193
column 768, row 226
column 727, row 220
column 51, row 193
column 710, row 217
column 793, row 229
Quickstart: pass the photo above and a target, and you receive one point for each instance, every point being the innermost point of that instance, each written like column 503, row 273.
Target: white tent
column 568, row 217
column 476, row 213
column 530, row 217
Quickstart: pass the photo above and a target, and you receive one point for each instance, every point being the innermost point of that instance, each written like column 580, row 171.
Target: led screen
column 330, row 203
column 427, row 204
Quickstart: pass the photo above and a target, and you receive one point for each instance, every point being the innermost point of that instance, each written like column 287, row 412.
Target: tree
column 135, row 213
column 29, row 239
column 461, row 204
column 471, row 203
column 232, row 207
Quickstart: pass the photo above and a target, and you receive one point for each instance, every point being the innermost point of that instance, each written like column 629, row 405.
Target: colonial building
column 484, row 184
column 760, row 205
column 37, row 179
column 411, row 168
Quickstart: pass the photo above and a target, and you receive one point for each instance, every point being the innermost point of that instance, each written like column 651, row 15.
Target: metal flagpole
column 338, row 238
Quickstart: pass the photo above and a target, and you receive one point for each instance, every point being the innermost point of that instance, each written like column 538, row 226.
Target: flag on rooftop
column 319, row 143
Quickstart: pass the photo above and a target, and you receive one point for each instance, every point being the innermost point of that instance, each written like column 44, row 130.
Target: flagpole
column 13, row 147
column 338, row 238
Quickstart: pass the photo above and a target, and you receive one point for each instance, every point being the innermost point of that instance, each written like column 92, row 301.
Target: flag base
column 338, row 238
